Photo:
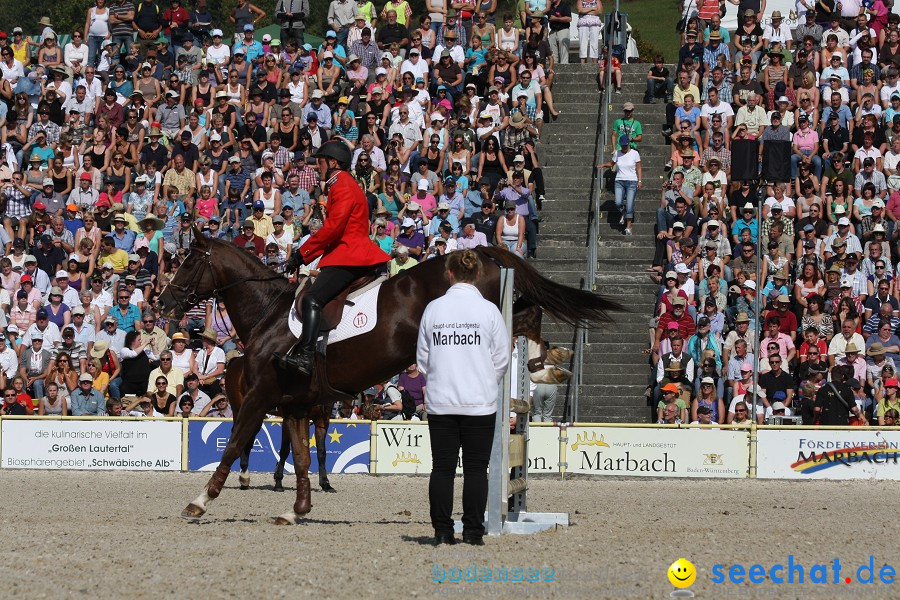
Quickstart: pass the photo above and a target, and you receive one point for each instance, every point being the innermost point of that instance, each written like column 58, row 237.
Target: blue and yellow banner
column 346, row 447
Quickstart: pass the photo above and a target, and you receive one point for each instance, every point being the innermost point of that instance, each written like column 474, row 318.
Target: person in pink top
column 805, row 145
column 425, row 199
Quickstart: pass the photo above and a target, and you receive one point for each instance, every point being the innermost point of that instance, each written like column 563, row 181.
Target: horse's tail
column 568, row 304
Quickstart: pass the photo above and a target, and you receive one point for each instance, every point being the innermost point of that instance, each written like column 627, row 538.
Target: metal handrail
column 590, row 281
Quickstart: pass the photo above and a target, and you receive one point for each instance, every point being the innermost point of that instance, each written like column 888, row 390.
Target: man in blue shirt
column 455, row 201
column 444, row 215
column 123, row 238
column 86, row 400
column 126, row 314
column 251, row 48
column 319, row 108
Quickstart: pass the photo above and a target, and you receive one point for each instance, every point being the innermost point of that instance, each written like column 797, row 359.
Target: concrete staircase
column 615, row 370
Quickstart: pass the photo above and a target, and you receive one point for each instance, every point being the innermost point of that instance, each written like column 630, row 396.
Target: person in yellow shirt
column 19, row 45
column 109, row 253
column 262, row 223
column 401, row 261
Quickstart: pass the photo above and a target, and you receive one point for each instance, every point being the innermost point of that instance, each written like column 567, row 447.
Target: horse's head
column 194, row 280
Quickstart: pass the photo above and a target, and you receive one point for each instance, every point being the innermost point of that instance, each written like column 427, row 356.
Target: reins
column 191, row 298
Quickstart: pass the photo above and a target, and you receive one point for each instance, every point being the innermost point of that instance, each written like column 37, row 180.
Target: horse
column 259, row 301
column 319, row 415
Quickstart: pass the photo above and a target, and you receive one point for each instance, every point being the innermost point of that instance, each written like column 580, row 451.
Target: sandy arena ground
column 119, row 535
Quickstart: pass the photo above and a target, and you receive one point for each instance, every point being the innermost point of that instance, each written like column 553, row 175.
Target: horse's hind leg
column 282, row 457
column 248, row 423
column 322, row 423
column 298, row 426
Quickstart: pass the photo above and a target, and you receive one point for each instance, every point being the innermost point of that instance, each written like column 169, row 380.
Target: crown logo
column 406, row 457
column 589, row 441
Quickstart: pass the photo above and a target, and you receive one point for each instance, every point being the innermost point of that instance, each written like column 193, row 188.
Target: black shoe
column 302, row 363
column 473, row 539
column 532, row 253
column 444, row 538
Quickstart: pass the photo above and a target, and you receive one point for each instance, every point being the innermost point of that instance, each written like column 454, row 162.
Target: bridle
column 189, row 296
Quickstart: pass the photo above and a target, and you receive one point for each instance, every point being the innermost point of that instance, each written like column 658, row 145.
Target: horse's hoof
column 245, row 487
column 328, row 488
column 289, row 518
column 192, row 512
column 278, row 487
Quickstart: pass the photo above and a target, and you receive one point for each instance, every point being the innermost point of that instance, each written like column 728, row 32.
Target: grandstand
column 126, row 137
column 775, row 222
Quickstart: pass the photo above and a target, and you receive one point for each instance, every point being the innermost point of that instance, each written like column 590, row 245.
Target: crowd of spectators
column 820, row 105
column 154, row 123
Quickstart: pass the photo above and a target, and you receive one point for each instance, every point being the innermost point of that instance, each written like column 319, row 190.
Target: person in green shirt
column 629, row 126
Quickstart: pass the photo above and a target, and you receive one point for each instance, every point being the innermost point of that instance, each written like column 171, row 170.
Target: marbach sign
column 828, row 454
column 657, row 452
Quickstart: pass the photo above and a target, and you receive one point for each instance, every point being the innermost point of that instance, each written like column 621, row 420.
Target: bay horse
column 259, row 300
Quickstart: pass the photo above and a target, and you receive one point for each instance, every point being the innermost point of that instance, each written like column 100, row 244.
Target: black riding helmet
column 337, row 150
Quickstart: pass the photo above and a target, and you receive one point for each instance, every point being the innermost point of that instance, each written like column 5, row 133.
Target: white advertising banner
column 827, row 454
column 139, row 445
column 650, row 452
column 543, row 449
column 405, row 447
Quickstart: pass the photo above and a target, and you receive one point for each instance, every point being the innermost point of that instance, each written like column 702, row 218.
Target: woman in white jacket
column 464, row 350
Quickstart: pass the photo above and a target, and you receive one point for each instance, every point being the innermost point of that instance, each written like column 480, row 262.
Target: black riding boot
column 303, row 362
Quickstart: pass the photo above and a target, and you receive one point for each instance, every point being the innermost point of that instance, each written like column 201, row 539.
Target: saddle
column 334, row 309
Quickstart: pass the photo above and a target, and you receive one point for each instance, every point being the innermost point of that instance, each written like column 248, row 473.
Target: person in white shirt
column 48, row 329
column 182, row 356
column 778, row 31
column 628, row 180
column 415, row 64
column 218, row 53
column 76, row 50
column 9, row 360
column 463, row 349
column 890, row 87
column 209, row 364
column 281, row 238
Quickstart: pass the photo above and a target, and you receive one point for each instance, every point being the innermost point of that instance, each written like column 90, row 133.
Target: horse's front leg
column 298, row 426
column 245, row 427
column 322, row 424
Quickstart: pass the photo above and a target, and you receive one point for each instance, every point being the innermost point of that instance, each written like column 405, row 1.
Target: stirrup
column 302, row 363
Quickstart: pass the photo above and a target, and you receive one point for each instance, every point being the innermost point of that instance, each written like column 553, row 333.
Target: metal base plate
column 527, row 522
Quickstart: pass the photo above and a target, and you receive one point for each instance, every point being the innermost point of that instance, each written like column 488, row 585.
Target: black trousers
column 474, row 435
column 333, row 280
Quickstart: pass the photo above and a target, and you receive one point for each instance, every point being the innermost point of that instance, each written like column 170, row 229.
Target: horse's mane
column 254, row 268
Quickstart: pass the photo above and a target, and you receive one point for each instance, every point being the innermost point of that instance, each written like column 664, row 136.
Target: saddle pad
column 359, row 316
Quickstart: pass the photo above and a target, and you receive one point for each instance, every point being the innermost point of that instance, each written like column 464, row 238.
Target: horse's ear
column 200, row 240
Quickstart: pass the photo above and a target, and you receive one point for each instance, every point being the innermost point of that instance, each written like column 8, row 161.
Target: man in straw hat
column 209, row 363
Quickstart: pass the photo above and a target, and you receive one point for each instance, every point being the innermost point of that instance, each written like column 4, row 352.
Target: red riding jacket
column 344, row 238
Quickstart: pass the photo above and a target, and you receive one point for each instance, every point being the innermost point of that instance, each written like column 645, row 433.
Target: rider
column 344, row 245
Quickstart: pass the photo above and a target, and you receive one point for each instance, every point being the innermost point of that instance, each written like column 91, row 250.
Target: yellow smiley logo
column 682, row 573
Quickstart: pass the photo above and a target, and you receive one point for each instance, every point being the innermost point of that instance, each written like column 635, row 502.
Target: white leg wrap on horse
column 201, row 500
column 244, row 478
column 288, row 518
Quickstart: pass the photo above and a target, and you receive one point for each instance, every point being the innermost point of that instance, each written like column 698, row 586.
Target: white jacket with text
column 464, row 349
